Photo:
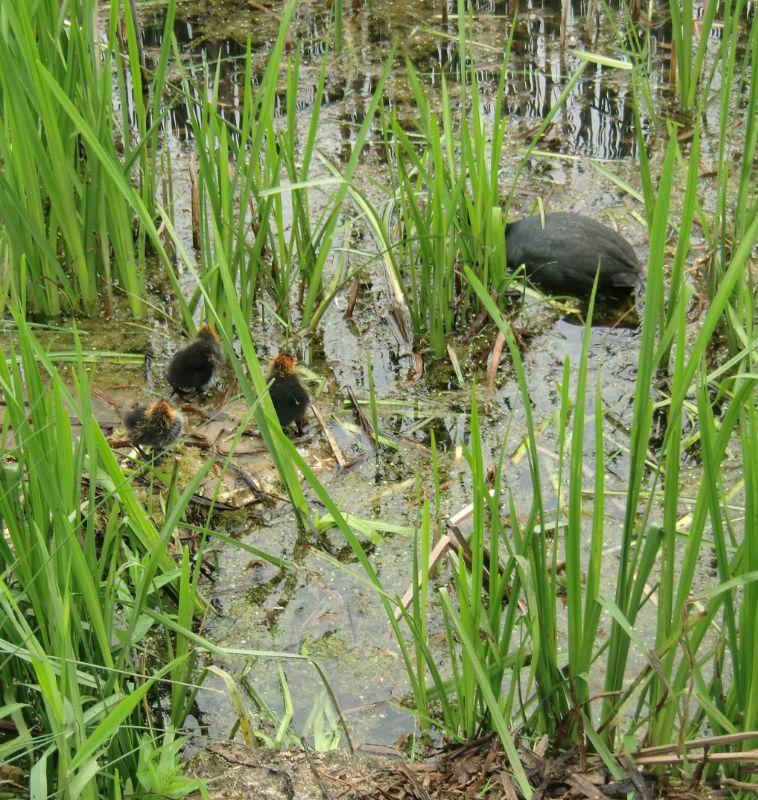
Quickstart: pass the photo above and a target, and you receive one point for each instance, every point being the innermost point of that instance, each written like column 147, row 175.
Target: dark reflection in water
column 596, row 121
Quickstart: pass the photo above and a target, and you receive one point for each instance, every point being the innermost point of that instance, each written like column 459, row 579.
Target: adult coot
column 562, row 255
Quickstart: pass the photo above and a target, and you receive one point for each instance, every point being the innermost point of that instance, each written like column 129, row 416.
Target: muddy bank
column 478, row 769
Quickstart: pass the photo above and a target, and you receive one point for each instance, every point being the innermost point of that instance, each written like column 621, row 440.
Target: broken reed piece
column 400, row 317
column 497, row 351
column 329, row 436
column 418, row 371
column 360, row 416
column 741, row 756
column 352, row 298
column 194, row 203
column 696, row 744
column 565, row 4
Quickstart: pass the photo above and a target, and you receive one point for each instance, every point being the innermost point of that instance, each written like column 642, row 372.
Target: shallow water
column 320, row 609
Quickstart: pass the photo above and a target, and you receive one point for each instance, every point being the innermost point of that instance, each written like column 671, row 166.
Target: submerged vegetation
column 629, row 635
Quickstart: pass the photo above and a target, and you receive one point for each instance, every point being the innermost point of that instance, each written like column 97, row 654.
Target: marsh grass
column 651, row 550
column 725, row 405
column 257, row 191
column 444, row 207
column 99, row 659
column 515, row 653
column 505, row 663
column 689, row 43
column 80, row 564
column 234, row 167
column 87, row 586
column 737, row 202
column 62, row 210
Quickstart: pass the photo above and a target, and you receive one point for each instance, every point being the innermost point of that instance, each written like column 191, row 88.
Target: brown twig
column 325, row 793
column 480, row 319
column 194, row 203
column 360, row 416
column 418, row 788
column 266, row 10
column 418, row 371
column 497, row 351
column 585, row 787
column 637, row 778
column 329, row 436
column 352, row 299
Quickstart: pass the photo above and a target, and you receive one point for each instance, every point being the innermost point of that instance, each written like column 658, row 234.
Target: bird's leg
column 299, row 427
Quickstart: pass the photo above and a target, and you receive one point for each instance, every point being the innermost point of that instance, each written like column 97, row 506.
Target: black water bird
column 290, row 399
column 194, row 367
column 156, row 425
column 562, row 253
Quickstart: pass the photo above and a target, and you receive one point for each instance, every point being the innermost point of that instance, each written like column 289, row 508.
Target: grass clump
column 69, row 229
column 256, row 195
column 81, row 567
column 444, row 209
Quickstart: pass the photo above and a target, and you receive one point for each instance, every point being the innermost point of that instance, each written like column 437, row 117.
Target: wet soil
column 477, row 769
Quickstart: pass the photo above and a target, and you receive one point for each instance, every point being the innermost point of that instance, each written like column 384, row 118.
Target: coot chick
column 194, row 367
column 562, row 255
column 290, row 399
column 157, row 425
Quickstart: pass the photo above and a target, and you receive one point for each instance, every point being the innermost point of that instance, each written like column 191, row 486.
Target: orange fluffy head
column 161, row 413
column 283, row 365
column 206, row 332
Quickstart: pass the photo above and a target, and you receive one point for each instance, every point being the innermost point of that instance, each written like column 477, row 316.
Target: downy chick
column 290, row 399
column 194, row 367
column 156, row 425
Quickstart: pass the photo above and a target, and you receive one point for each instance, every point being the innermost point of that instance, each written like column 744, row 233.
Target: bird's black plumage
column 157, row 425
column 290, row 399
column 563, row 254
column 194, row 367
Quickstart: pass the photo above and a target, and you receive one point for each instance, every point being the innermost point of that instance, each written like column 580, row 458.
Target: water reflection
column 596, row 121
